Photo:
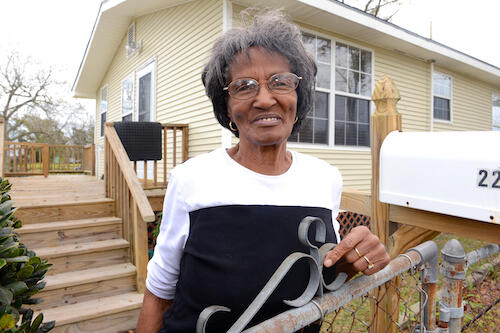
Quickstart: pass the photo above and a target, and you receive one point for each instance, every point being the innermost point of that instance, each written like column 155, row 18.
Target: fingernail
column 328, row 262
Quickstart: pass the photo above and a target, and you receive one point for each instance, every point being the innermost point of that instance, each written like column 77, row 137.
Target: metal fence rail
column 295, row 319
column 353, row 306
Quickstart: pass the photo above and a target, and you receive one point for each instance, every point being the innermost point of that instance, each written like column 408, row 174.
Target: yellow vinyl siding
column 179, row 40
column 413, row 79
column 471, row 104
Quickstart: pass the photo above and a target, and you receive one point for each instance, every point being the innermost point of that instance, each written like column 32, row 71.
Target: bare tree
column 34, row 108
column 384, row 9
column 22, row 88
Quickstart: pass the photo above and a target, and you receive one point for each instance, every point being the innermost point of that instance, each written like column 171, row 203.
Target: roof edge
column 372, row 22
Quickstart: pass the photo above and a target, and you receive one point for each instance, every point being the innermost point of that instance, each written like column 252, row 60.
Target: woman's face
column 267, row 118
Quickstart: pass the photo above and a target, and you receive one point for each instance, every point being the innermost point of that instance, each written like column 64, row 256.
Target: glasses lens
column 283, row 83
column 243, row 89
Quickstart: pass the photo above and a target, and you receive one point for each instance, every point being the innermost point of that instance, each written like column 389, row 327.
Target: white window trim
column 106, row 86
column 332, row 91
column 148, row 67
column 493, row 124
column 450, row 122
column 227, row 19
column 128, row 77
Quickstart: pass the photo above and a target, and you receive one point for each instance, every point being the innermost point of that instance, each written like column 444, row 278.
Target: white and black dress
column 226, row 229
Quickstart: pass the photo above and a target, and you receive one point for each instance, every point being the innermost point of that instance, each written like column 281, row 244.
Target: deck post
column 92, row 151
column 140, row 247
column 45, row 160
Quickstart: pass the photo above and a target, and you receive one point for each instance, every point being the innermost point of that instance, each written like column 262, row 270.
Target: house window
column 315, row 127
column 441, row 89
column 146, row 92
column 103, row 107
column 353, row 87
column 348, row 91
column 496, row 112
column 127, row 98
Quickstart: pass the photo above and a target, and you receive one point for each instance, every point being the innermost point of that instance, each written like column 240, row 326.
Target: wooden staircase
column 95, row 235
column 92, row 286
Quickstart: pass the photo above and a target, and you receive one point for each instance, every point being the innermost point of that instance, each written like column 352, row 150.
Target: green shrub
column 21, row 272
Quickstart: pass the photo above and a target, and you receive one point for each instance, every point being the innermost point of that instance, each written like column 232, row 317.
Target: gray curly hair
column 270, row 30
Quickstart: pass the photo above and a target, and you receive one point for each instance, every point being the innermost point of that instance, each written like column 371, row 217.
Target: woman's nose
column 264, row 98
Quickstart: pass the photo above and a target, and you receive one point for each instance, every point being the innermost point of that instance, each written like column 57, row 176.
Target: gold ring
column 370, row 264
column 357, row 251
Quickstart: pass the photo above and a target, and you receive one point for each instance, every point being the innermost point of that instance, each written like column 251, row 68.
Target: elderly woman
column 231, row 216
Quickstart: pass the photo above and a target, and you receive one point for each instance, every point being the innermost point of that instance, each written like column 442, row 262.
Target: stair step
column 63, row 280
column 63, row 211
column 73, row 257
column 78, row 286
column 50, row 234
column 105, row 314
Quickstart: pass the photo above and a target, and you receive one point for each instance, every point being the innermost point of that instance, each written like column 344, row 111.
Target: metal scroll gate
column 345, row 306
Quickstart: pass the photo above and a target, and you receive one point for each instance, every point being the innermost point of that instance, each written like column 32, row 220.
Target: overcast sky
column 56, row 32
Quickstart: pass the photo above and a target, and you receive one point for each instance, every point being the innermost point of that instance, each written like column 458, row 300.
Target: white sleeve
column 163, row 268
column 337, row 194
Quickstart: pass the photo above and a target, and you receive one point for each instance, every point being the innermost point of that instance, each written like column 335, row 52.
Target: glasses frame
column 298, row 78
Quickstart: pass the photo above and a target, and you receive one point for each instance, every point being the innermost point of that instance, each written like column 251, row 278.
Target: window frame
column 101, row 128
column 493, row 124
column 147, row 67
column 130, row 78
column 450, row 98
column 332, row 92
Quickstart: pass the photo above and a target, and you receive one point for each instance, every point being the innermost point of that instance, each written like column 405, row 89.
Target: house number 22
column 489, row 178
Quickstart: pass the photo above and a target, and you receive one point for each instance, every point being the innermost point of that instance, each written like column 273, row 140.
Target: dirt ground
column 478, row 298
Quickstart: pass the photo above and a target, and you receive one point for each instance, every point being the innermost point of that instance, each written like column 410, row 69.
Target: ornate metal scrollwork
column 314, row 287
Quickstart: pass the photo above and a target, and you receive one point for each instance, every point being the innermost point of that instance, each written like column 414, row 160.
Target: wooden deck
column 55, row 189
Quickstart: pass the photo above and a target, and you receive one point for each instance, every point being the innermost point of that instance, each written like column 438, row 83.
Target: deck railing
column 175, row 151
column 131, row 202
column 29, row 158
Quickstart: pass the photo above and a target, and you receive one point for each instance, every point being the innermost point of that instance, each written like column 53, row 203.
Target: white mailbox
column 454, row 173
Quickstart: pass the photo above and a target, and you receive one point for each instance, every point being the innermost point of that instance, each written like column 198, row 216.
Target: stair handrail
column 131, row 203
column 128, row 173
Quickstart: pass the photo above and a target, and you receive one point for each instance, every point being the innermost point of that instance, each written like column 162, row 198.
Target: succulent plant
column 21, row 274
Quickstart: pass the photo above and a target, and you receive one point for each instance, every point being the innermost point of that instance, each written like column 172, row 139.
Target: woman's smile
column 268, row 120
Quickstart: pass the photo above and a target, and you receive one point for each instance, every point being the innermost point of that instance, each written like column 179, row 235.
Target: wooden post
column 45, row 160
column 397, row 238
column 92, row 158
column 140, row 248
column 164, row 155
column 174, row 153
column 385, row 120
column 185, row 142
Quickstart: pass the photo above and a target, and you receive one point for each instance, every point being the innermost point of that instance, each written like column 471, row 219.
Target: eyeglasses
column 281, row 84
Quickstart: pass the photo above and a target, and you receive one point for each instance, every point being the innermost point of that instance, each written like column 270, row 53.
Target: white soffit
column 111, row 25
column 353, row 23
